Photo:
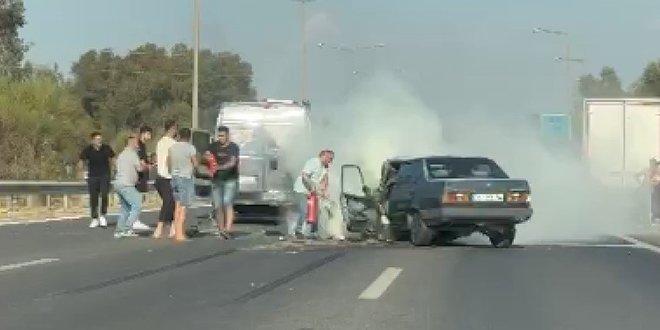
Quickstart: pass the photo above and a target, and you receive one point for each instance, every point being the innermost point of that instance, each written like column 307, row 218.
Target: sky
column 451, row 53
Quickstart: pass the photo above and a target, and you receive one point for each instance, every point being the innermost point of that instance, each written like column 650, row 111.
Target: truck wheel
column 503, row 239
column 445, row 237
column 420, row 234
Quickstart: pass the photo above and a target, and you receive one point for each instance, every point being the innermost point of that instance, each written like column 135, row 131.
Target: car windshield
column 457, row 168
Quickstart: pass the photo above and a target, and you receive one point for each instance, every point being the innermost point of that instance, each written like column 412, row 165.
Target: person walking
column 310, row 181
column 98, row 157
column 143, row 177
column 225, row 180
column 182, row 162
column 129, row 166
column 164, row 180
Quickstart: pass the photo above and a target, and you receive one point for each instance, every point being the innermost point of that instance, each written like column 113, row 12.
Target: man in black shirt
column 97, row 156
column 225, row 179
column 143, row 177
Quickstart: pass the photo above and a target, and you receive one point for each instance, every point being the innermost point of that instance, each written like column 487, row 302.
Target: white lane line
column 18, row 265
column 380, row 285
column 640, row 243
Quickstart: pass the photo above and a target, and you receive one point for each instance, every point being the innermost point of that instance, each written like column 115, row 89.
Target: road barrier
column 52, row 199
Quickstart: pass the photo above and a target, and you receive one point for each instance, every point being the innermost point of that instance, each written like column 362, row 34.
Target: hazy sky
column 479, row 52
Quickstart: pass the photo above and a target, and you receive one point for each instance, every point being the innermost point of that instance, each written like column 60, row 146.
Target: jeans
column 131, row 206
column 98, row 186
column 183, row 189
column 301, row 200
column 224, row 193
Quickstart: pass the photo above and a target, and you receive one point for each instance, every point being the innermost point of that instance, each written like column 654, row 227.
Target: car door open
column 358, row 207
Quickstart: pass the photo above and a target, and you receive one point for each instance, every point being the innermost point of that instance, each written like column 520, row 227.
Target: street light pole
column 195, row 86
column 303, row 41
column 569, row 74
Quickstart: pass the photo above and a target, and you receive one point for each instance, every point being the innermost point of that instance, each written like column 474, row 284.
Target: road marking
column 8, row 267
column 380, row 285
column 640, row 243
column 584, row 245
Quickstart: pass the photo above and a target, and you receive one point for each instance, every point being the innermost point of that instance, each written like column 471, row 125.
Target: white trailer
column 620, row 136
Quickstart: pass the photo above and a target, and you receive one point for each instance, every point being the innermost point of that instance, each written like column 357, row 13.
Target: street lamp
column 350, row 48
column 195, row 86
column 303, row 37
column 566, row 58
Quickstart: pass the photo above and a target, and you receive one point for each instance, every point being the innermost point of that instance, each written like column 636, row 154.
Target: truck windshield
column 257, row 140
column 457, row 168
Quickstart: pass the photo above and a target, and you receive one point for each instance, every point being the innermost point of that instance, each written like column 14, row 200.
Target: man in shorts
column 182, row 162
column 225, row 180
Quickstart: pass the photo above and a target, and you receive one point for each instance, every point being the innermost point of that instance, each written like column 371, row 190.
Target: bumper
column 267, row 198
column 475, row 216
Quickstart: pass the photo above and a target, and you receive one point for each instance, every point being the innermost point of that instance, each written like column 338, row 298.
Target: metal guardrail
column 39, row 199
column 20, row 187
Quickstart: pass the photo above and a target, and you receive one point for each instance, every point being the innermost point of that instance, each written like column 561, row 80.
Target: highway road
column 63, row 275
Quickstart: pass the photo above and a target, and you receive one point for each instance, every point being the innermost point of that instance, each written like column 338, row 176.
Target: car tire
column 503, row 239
column 420, row 234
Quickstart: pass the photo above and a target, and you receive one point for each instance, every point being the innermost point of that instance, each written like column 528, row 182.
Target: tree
column 41, row 128
column 607, row 84
column 12, row 47
column 151, row 83
column 648, row 85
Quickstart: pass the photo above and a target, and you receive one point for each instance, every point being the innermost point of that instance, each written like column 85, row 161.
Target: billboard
column 556, row 127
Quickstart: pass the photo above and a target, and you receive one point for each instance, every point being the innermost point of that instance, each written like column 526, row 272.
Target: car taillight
column 518, row 197
column 456, row 197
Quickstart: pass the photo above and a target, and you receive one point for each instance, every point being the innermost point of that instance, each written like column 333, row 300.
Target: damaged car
column 436, row 199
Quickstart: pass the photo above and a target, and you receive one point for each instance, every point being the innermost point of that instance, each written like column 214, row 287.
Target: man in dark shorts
column 98, row 157
column 143, row 177
column 225, row 180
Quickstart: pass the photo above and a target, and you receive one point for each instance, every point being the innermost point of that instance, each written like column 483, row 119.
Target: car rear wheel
column 504, row 238
column 420, row 234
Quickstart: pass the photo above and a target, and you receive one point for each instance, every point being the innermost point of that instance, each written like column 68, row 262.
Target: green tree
column 607, row 84
column 42, row 127
column 12, row 47
column 648, row 85
column 151, row 83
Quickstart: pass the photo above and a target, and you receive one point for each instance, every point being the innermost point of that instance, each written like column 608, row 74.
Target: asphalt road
column 66, row 276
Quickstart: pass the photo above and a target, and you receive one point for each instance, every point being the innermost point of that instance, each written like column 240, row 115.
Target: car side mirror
column 366, row 190
column 273, row 163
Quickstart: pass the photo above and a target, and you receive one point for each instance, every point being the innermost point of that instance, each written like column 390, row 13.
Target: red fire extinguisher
column 213, row 163
column 312, row 208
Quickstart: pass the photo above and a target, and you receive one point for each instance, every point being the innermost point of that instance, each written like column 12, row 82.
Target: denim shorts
column 224, row 193
column 183, row 190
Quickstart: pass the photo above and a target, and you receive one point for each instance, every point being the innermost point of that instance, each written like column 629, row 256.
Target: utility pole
column 568, row 60
column 303, row 41
column 195, row 86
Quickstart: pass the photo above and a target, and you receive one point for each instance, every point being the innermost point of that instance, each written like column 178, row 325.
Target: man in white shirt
column 310, row 180
column 164, row 179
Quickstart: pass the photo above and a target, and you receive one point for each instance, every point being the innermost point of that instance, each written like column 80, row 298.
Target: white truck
column 620, row 136
column 263, row 131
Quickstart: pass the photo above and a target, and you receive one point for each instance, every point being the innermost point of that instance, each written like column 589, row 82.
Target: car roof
column 438, row 157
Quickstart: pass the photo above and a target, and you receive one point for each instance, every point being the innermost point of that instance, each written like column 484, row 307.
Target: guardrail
column 48, row 199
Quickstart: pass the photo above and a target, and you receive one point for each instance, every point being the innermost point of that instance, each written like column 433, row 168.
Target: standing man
column 311, row 181
column 225, row 180
column 182, row 161
column 129, row 166
column 97, row 156
column 143, row 181
column 163, row 180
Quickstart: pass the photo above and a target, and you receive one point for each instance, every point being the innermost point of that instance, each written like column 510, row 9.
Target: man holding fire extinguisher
column 309, row 188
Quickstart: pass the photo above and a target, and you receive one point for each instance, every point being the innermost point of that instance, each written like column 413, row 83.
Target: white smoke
column 384, row 118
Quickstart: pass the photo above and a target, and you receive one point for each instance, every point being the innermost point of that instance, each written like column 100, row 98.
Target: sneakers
column 100, row 222
column 139, row 225
column 124, row 234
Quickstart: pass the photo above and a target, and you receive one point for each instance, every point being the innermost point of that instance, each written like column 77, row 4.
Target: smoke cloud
column 384, row 118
